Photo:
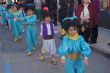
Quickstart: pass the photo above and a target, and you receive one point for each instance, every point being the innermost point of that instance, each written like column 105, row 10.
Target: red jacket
column 94, row 16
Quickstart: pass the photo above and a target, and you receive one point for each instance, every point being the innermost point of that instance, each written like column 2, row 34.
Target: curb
column 105, row 52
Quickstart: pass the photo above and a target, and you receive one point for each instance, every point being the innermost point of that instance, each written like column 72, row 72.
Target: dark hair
column 46, row 14
column 70, row 23
column 67, row 24
column 3, row 3
column 29, row 10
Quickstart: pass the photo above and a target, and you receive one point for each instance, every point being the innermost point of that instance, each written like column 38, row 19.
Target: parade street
column 13, row 58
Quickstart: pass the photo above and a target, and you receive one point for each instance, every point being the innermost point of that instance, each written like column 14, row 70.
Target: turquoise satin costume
column 70, row 46
column 3, row 15
column 21, row 15
column 31, row 32
column 0, row 12
column 14, row 25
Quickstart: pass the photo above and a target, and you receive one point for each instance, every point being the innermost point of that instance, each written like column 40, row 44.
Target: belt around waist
column 48, row 37
column 74, row 56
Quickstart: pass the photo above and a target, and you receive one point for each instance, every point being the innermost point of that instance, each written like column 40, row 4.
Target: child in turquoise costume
column 14, row 24
column 3, row 13
column 0, row 12
column 67, row 18
column 74, row 50
column 31, row 31
column 21, row 21
column 9, row 15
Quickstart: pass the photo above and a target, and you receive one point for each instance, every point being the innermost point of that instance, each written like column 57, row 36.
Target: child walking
column 3, row 14
column 21, row 16
column 14, row 23
column 47, row 32
column 74, row 50
column 9, row 15
column 31, row 31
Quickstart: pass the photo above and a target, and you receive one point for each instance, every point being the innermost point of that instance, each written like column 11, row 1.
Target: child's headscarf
column 70, row 21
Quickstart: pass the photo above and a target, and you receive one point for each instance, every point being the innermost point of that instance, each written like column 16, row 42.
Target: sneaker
column 6, row 27
column 109, row 44
column 53, row 61
column 29, row 53
column 20, row 37
column 34, row 48
column 41, row 57
column 92, row 42
column 16, row 39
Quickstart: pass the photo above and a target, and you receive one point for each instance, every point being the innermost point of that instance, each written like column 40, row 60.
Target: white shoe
column 16, row 39
column 34, row 48
column 29, row 53
column 20, row 37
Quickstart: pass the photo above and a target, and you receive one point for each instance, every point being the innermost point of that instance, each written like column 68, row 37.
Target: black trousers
column 94, row 34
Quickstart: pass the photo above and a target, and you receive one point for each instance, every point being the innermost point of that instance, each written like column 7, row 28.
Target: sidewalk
column 103, row 40
column 105, row 19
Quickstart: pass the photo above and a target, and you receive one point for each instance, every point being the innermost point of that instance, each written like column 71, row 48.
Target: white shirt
column 85, row 12
column 49, row 32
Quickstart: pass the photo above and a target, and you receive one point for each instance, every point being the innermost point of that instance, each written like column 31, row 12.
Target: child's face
column 86, row 1
column 4, row 5
column 69, row 4
column 72, row 31
column 14, row 8
column 21, row 8
column 11, row 7
column 29, row 12
column 47, row 19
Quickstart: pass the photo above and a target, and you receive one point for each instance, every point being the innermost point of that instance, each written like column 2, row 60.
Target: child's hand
column 86, row 61
column 82, row 28
column 83, row 18
column 63, row 61
column 15, row 19
column 63, row 32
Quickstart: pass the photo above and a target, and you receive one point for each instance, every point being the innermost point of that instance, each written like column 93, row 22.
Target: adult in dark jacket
column 88, row 16
column 70, row 9
column 52, row 5
column 66, row 9
column 62, row 10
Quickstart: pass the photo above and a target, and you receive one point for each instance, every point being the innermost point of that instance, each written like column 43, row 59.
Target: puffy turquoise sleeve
column 86, row 50
column 9, row 15
column 64, row 47
column 32, row 20
column 21, row 15
column 3, row 13
column 0, row 10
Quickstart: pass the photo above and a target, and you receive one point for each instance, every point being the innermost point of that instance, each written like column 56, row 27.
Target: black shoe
column 109, row 44
column 93, row 42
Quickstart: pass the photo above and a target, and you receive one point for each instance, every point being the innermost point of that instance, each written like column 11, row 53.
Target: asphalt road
column 13, row 58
